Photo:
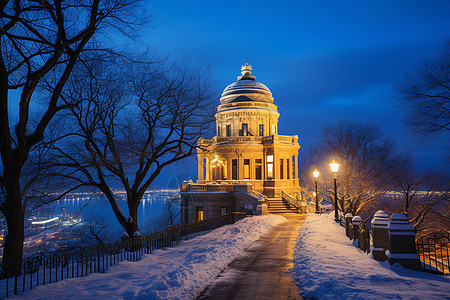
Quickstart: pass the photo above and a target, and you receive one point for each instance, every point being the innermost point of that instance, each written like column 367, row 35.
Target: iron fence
column 433, row 251
column 45, row 268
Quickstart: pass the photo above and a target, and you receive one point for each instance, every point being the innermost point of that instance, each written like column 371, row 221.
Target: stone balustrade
column 216, row 187
column 393, row 238
column 284, row 139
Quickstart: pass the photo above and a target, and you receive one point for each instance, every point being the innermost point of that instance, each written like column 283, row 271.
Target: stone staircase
column 279, row 206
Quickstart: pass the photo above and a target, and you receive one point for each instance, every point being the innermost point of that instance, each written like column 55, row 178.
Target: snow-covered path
column 327, row 265
column 181, row 272
column 263, row 273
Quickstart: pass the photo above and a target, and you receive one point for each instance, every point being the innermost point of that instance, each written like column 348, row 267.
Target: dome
column 246, row 88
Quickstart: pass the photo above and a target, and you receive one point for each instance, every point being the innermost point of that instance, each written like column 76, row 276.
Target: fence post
column 98, row 259
column 355, row 222
column 364, row 238
column 402, row 245
column 380, row 235
column 348, row 218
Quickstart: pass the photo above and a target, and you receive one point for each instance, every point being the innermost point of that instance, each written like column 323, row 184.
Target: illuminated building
column 247, row 149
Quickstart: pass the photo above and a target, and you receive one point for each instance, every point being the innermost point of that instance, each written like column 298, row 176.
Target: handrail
column 289, row 199
column 264, row 197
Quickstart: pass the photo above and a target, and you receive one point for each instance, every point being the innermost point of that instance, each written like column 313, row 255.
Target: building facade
column 247, row 149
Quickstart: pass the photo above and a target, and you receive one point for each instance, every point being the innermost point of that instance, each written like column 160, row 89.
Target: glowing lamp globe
column 334, row 166
column 316, row 173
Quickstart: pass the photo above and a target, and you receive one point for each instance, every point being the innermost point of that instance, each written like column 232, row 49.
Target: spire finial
column 246, row 71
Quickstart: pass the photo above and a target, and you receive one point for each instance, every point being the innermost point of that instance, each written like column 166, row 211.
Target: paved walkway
column 263, row 273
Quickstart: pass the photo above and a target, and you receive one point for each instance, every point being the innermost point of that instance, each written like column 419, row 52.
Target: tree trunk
column 13, row 245
column 132, row 227
column 12, row 207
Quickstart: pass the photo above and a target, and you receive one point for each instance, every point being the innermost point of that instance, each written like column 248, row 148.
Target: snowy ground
column 181, row 272
column 327, row 265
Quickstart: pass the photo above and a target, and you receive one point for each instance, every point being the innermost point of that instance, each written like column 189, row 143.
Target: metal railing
column 290, row 199
column 45, row 268
column 258, row 194
column 433, row 251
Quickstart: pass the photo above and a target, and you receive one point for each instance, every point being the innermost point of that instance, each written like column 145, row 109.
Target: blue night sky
column 324, row 61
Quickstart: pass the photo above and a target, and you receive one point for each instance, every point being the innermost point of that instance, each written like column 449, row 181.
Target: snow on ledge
column 327, row 265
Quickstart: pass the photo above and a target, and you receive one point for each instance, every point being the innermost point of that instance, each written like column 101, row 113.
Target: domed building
column 247, row 149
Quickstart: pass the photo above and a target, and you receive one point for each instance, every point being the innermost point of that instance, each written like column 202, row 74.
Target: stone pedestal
column 402, row 245
column 262, row 208
column 380, row 235
column 356, row 220
column 348, row 219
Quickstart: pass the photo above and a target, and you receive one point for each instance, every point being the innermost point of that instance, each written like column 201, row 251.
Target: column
column 208, row 170
column 201, row 175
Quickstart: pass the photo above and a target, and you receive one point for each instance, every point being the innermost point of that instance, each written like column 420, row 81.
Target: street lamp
column 316, row 175
column 335, row 168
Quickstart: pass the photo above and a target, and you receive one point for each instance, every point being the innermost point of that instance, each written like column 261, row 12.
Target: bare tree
column 426, row 96
column 367, row 163
column 132, row 119
column 93, row 230
column 421, row 196
column 38, row 39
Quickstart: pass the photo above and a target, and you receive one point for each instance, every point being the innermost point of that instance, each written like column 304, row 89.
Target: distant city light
column 45, row 221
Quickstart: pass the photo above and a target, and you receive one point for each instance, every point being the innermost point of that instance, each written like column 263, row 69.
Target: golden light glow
column 334, row 166
column 270, row 170
column 316, row 173
column 269, row 158
column 216, row 162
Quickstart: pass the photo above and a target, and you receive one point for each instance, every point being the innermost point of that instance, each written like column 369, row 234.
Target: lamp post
column 335, row 168
column 316, row 175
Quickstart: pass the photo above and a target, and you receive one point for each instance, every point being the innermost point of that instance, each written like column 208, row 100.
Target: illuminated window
column 199, row 213
column 246, row 168
column 269, row 166
column 261, row 130
column 270, row 170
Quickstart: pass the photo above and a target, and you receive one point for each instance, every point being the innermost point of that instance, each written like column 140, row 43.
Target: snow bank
column 181, row 272
column 327, row 265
